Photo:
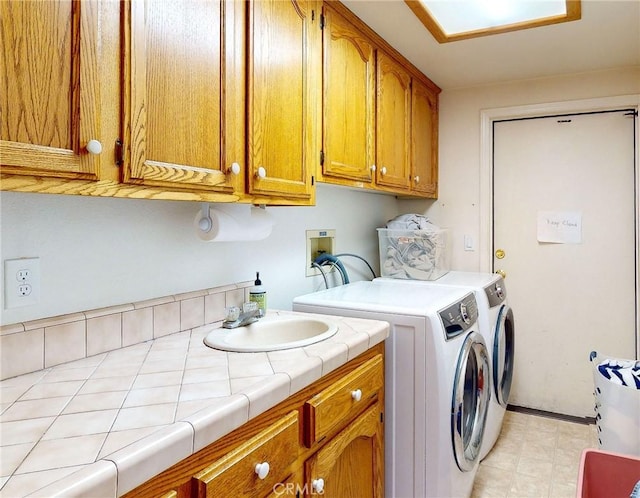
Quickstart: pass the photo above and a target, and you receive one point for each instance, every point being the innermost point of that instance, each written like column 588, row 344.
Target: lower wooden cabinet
column 327, row 439
column 350, row 464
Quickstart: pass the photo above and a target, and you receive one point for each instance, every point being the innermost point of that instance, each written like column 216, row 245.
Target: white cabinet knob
column 416, row 179
column 373, row 167
column 262, row 173
column 262, row 469
column 356, row 395
column 383, row 171
column 318, row 485
column 94, row 147
column 235, row 168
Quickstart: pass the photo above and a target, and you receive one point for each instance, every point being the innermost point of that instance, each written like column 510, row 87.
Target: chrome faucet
column 241, row 318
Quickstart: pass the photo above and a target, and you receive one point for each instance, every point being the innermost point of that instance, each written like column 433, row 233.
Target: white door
column 568, row 299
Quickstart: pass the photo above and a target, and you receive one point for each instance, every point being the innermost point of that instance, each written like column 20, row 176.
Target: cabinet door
column 393, row 120
column 424, row 140
column 348, row 100
column 283, row 96
column 49, row 99
column 351, row 464
column 183, row 89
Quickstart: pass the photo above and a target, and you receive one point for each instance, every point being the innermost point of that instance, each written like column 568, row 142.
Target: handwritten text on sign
column 560, row 227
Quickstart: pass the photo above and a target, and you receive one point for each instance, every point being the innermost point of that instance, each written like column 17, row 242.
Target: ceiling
column 607, row 36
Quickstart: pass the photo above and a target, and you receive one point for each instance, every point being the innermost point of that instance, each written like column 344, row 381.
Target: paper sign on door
column 560, row 227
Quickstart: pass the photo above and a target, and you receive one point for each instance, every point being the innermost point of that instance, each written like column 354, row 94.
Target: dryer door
column 471, row 392
column 503, row 355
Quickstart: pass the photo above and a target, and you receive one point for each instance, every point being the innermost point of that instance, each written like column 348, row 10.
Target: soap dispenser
column 258, row 295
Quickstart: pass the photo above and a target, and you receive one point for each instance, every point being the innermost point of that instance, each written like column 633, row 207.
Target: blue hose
column 325, row 258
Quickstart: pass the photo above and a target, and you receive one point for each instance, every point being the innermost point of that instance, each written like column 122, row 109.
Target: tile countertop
column 101, row 426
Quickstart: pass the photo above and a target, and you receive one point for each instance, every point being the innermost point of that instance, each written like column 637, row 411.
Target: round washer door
column 503, row 355
column 471, row 393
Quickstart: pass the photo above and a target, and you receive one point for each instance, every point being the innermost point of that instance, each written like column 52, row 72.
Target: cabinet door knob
column 373, row 167
column 416, row 179
column 235, row 168
column 318, row 485
column 356, row 395
column 262, row 469
column 94, row 147
column 262, row 173
column 383, row 170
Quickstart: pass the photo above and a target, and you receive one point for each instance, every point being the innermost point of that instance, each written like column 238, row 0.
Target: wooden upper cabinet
column 424, row 139
column 284, row 69
column 393, row 133
column 348, row 127
column 50, row 94
column 183, row 93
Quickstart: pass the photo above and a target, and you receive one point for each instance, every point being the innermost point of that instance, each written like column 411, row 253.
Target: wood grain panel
column 175, row 53
column 351, row 464
column 49, row 103
column 424, row 140
column 284, row 68
column 234, row 474
column 393, row 129
column 335, row 405
column 348, row 100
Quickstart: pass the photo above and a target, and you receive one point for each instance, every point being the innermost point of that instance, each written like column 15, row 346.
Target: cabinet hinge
column 321, row 158
column 119, row 152
column 313, row 180
column 382, row 417
column 322, row 21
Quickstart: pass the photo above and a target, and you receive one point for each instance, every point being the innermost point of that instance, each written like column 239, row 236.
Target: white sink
column 272, row 333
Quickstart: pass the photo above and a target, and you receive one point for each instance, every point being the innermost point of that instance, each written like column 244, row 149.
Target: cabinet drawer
column 337, row 404
column 236, row 474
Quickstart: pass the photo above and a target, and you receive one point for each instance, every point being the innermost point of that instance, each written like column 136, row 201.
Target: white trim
column 488, row 116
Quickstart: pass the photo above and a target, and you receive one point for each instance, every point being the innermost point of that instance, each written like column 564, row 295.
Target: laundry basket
column 617, row 397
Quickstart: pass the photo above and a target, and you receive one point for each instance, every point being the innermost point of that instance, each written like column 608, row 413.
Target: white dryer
column 436, row 377
column 497, row 327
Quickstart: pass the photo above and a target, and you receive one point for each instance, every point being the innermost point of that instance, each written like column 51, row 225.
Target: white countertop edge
column 98, row 479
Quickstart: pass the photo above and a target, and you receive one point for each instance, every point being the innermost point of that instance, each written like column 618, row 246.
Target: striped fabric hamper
column 617, row 399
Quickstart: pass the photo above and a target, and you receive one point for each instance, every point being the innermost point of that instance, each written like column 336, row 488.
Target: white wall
column 459, row 201
column 98, row 252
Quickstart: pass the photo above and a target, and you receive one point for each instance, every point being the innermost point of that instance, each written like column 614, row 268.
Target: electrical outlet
column 21, row 282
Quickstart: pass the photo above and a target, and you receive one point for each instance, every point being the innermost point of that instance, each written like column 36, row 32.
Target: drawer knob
column 94, row 147
column 262, row 469
column 318, row 485
column 235, row 168
column 356, row 395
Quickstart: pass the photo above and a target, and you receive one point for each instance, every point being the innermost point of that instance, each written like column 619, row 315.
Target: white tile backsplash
column 31, row 346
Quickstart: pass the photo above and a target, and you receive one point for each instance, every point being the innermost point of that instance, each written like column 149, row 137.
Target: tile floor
column 535, row 457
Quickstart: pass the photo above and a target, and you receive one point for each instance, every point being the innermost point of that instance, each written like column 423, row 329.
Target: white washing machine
column 436, row 381
column 497, row 327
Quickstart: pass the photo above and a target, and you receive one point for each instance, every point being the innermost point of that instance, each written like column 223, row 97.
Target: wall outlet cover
column 21, row 282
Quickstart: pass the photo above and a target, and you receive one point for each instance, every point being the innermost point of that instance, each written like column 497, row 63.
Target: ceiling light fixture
column 451, row 20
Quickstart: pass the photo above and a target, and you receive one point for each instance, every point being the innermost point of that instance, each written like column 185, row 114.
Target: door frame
column 489, row 116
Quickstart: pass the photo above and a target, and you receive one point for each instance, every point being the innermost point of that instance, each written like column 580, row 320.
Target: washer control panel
column 459, row 316
column 496, row 293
